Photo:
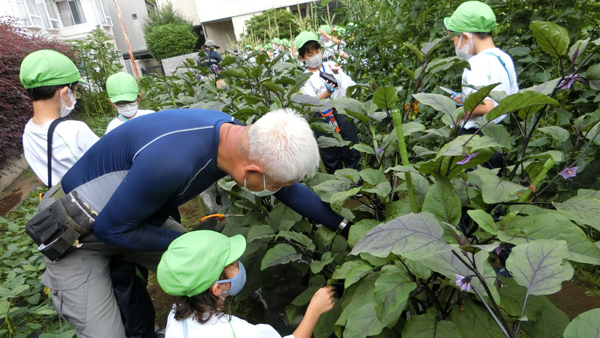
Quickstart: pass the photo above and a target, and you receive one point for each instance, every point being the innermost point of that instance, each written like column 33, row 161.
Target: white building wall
column 239, row 23
column 208, row 10
column 221, row 32
column 187, row 8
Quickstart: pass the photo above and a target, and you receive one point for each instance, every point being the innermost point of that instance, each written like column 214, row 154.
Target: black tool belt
column 57, row 229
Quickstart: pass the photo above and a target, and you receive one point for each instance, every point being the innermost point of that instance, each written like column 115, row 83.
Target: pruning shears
column 452, row 93
column 219, row 216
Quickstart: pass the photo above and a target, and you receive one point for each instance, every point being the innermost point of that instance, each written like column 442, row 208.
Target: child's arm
column 321, row 302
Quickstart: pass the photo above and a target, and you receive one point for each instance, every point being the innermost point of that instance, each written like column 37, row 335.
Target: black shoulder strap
column 49, row 148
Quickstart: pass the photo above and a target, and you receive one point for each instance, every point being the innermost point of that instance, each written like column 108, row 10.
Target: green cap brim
column 238, row 247
column 447, row 23
column 124, row 98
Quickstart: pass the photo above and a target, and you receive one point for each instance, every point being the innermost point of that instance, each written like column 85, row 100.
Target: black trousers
column 335, row 158
column 137, row 310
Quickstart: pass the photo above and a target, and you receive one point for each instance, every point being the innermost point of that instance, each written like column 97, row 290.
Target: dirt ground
column 573, row 300
column 13, row 196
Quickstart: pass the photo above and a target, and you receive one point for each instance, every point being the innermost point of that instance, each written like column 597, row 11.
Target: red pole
column 137, row 76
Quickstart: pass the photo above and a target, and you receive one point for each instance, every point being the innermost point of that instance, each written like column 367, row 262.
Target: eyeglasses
column 122, row 104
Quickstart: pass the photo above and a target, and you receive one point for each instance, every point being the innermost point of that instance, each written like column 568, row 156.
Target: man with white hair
column 134, row 179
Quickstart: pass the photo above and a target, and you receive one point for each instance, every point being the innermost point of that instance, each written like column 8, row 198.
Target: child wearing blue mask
column 202, row 269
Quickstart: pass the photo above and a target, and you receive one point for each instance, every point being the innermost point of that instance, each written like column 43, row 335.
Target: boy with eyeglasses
column 124, row 95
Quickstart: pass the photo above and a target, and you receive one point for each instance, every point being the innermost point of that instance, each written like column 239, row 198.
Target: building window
column 39, row 13
column 70, row 12
column 104, row 14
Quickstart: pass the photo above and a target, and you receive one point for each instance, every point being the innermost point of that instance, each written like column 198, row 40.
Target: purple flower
column 569, row 172
column 379, row 149
column 466, row 159
column 568, row 81
column 463, row 282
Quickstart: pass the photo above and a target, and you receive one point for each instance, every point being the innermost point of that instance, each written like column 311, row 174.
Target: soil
column 14, row 195
column 573, row 299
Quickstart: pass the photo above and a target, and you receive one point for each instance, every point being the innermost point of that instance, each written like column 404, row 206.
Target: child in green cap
column 310, row 52
column 202, row 269
column 476, row 21
column 124, row 95
column 51, row 81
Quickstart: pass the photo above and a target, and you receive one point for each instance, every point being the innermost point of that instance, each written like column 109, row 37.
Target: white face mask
column 463, row 53
column 263, row 193
column 64, row 109
column 315, row 61
column 129, row 110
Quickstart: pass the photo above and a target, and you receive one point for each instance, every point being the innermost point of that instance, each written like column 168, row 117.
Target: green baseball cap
column 48, row 68
column 122, row 87
column 471, row 17
column 195, row 260
column 276, row 41
column 326, row 28
column 340, row 30
column 286, row 43
column 268, row 46
column 305, row 37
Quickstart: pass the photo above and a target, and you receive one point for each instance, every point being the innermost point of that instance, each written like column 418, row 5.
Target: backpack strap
column 49, row 148
column 502, row 63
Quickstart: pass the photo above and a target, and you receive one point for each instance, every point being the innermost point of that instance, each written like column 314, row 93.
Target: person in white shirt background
column 310, row 52
column 476, row 21
column 202, row 269
column 124, row 95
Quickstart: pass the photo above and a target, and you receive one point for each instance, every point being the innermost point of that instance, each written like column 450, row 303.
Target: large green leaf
column 551, row 321
column 260, row 231
column 357, row 295
column 484, row 220
column 557, row 133
column 552, row 38
column 328, row 188
column 348, row 175
column 475, row 98
column 474, row 320
column 363, row 322
column 449, row 265
column 337, row 200
column 330, row 142
column 383, row 189
column 545, row 88
column 356, row 273
column 426, row 326
column 438, row 102
column 391, row 293
column 586, row 325
column 284, row 217
column 298, row 238
column 518, row 101
column 345, row 104
column 414, row 236
column 317, row 266
column 385, row 97
column 279, row 254
column 495, row 189
column 373, row 176
column 540, row 266
column 499, row 134
column 582, row 210
column 589, row 193
column 484, row 142
column 455, row 147
column 551, row 225
column 359, row 229
column 442, row 201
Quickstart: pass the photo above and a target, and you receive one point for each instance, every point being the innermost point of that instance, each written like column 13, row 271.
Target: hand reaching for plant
column 320, row 303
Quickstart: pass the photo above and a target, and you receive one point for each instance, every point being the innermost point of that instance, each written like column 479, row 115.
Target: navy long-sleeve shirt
column 137, row 174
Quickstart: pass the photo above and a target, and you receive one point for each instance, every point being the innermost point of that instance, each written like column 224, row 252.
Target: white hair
column 283, row 144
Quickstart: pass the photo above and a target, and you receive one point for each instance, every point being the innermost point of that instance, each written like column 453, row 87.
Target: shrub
column 170, row 40
column 273, row 23
column 163, row 16
column 15, row 106
column 98, row 60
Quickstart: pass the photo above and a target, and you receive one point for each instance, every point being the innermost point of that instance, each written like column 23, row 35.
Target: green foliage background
column 273, row 23
column 168, row 34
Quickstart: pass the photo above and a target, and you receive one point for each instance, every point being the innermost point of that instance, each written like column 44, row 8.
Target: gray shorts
column 82, row 288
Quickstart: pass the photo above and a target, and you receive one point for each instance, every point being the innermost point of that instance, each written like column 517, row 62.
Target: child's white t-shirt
column 219, row 327
column 70, row 141
column 117, row 121
column 315, row 85
column 486, row 69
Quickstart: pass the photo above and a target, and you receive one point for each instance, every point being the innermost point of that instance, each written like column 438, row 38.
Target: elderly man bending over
column 135, row 176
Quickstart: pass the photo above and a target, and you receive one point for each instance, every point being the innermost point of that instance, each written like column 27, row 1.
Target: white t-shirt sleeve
column 85, row 138
column 112, row 125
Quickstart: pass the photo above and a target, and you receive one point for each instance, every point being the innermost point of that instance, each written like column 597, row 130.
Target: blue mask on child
column 237, row 282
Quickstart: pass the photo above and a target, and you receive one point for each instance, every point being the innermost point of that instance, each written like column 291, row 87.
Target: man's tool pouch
column 57, row 229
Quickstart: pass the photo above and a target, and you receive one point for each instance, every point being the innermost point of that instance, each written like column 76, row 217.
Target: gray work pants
column 81, row 283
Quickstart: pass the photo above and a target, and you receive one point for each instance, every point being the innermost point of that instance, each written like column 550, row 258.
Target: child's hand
column 322, row 301
column 336, row 68
column 458, row 99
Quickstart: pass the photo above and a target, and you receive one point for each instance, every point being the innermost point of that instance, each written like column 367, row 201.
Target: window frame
column 79, row 9
column 105, row 18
